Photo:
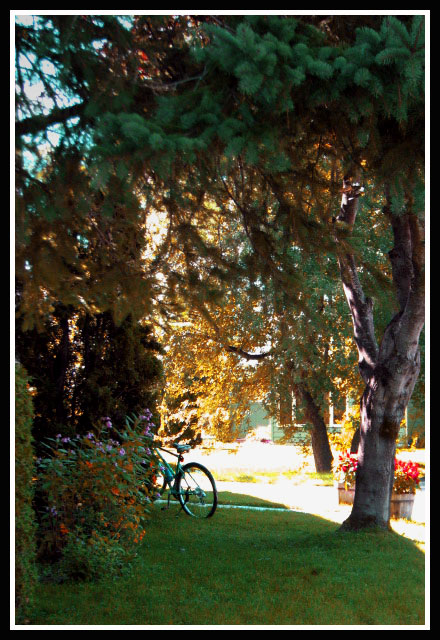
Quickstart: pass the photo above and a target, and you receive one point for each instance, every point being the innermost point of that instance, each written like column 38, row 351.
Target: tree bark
column 355, row 441
column 321, row 448
column 389, row 371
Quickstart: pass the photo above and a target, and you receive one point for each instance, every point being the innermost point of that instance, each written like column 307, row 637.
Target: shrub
column 96, row 491
column 25, row 525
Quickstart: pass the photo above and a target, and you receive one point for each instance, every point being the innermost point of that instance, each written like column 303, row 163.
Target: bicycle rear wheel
column 196, row 490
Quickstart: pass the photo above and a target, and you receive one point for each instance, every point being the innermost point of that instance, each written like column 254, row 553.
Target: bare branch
column 248, row 356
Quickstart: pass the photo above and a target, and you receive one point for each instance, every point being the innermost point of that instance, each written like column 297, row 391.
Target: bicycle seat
column 182, row 447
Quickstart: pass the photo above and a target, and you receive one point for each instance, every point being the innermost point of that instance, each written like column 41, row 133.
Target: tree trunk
column 355, row 441
column 382, row 410
column 321, row 448
column 390, row 372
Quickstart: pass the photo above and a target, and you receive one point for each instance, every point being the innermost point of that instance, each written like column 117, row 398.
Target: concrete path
column 317, row 500
column 323, row 502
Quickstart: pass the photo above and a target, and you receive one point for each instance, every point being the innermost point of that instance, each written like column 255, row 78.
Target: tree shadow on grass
column 251, row 567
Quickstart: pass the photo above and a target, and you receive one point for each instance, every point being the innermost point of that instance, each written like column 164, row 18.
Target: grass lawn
column 251, row 568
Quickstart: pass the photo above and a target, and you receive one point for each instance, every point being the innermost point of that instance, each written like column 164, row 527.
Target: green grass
column 230, row 498
column 251, row 568
column 322, row 479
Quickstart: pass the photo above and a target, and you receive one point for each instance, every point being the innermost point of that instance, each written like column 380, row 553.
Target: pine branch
column 159, row 86
column 37, row 123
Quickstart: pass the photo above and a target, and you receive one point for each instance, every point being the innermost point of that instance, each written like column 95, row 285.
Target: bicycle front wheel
column 196, row 490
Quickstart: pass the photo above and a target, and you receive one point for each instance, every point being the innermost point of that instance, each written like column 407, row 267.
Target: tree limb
column 408, row 261
column 361, row 307
column 401, row 254
column 248, row 356
column 37, row 123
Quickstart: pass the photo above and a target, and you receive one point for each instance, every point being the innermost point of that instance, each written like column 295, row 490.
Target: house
column 260, row 425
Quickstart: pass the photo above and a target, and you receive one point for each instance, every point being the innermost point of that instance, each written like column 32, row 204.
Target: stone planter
column 401, row 504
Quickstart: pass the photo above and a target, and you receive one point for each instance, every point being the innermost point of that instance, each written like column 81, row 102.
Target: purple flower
column 89, row 436
column 66, row 439
column 122, row 452
column 58, row 436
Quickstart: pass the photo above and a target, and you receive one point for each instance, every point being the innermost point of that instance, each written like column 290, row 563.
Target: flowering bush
column 406, row 474
column 345, row 470
column 96, row 490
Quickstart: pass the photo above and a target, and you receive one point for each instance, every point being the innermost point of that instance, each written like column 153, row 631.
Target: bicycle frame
column 170, row 474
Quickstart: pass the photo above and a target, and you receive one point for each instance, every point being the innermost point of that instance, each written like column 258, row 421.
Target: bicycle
column 191, row 484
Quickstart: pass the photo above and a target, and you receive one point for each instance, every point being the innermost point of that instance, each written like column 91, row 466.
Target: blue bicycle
column 191, row 484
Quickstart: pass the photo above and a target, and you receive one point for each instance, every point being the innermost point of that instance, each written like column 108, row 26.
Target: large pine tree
column 269, row 117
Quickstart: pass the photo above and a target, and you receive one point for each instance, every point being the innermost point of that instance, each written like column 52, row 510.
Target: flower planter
column 345, row 495
column 401, row 504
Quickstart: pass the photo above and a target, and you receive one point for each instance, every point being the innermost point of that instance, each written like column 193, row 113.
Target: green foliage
column 94, row 494
column 25, row 526
column 262, row 90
